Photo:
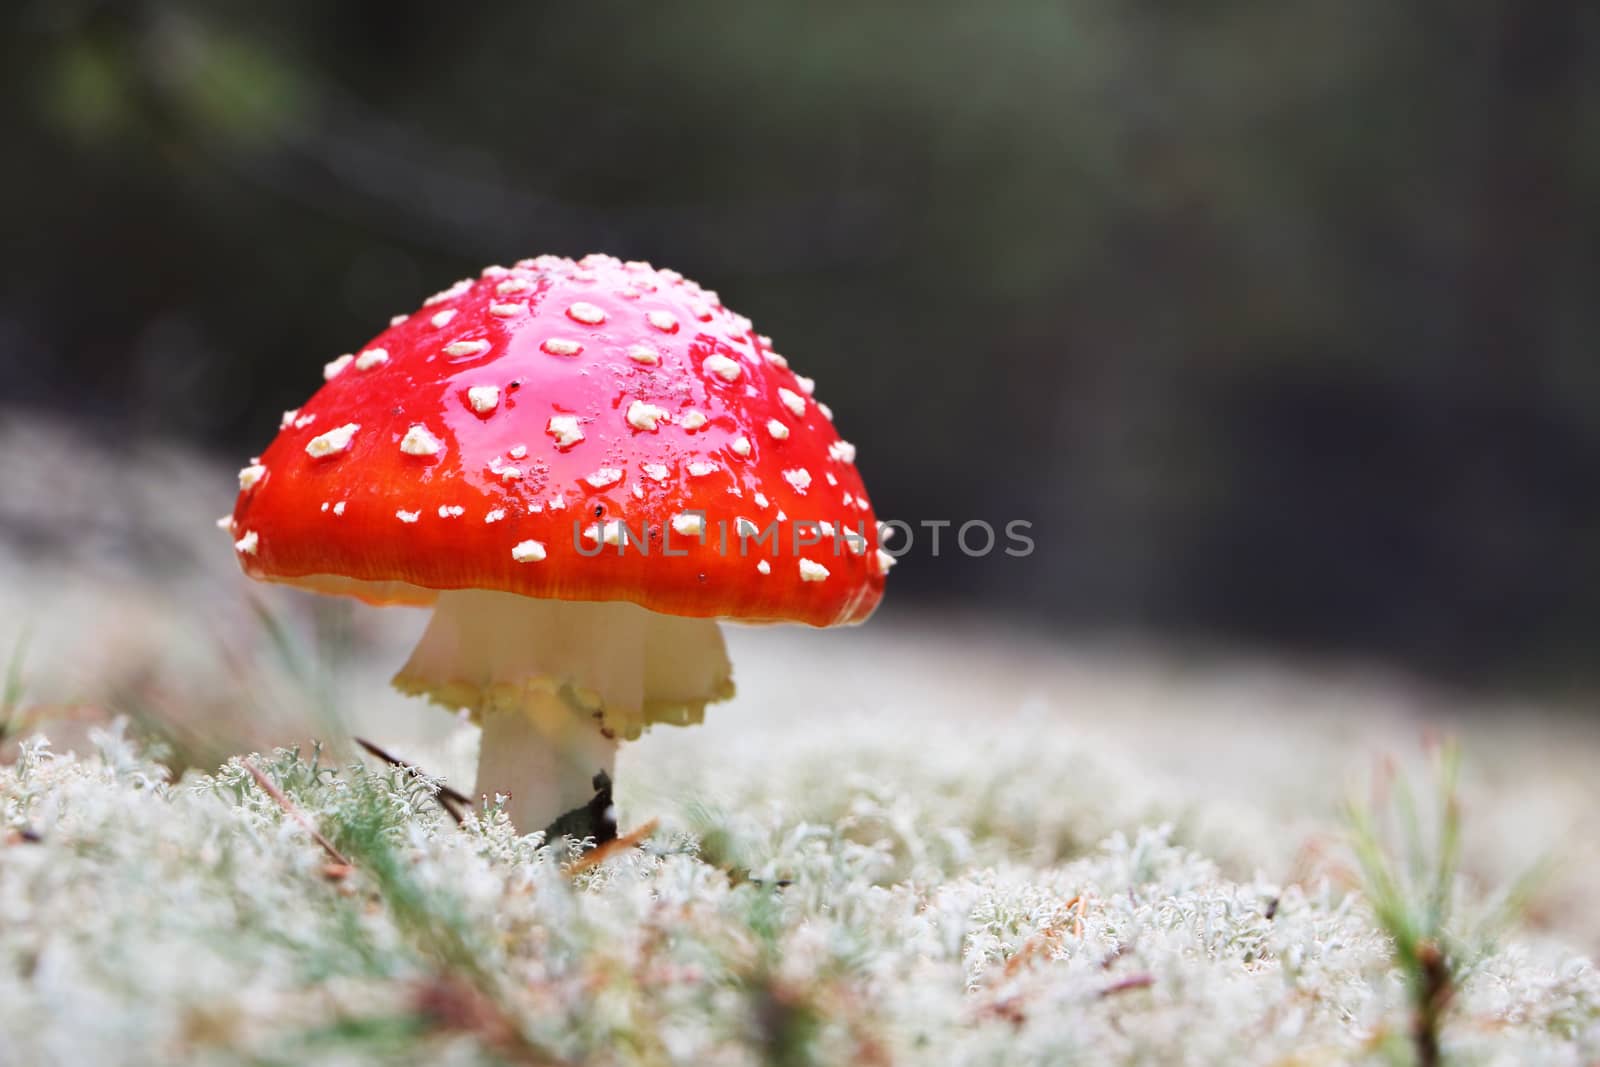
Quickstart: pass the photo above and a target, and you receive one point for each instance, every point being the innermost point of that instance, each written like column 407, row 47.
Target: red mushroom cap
column 496, row 438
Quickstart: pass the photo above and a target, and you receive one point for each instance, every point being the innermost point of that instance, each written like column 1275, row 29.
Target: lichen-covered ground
column 922, row 842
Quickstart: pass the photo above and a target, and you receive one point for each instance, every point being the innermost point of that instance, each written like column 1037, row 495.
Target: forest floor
column 940, row 841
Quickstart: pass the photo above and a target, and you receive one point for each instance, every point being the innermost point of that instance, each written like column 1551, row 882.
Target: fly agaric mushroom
column 581, row 467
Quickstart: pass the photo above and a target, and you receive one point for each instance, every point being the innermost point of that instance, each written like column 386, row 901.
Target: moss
column 150, row 921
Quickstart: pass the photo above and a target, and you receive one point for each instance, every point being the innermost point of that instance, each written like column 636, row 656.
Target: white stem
column 544, row 757
column 555, row 683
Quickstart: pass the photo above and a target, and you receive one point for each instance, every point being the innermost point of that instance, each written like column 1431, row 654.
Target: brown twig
column 600, row 853
column 1049, row 936
column 454, row 1003
column 1432, row 998
column 449, row 799
column 293, row 812
column 1137, row 981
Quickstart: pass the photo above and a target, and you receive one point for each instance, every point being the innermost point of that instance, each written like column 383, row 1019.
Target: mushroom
column 581, row 467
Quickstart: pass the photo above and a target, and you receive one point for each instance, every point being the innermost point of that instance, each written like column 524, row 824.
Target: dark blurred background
column 1277, row 318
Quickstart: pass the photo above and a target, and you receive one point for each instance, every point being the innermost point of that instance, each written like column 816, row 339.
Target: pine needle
column 269, row 788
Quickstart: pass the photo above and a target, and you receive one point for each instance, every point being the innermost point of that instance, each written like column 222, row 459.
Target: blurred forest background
column 1280, row 319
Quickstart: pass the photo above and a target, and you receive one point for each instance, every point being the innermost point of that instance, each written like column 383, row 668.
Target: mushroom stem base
column 556, row 683
column 545, row 757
